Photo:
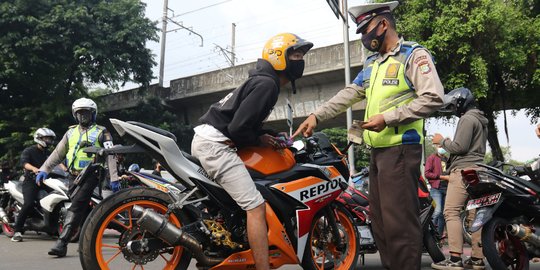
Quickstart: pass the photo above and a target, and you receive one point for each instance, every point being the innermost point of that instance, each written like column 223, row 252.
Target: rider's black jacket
column 241, row 113
column 35, row 157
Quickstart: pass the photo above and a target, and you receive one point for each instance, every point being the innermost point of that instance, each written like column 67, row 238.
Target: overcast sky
column 256, row 21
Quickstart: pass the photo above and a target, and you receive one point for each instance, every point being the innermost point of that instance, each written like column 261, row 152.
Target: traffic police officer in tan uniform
column 401, row 86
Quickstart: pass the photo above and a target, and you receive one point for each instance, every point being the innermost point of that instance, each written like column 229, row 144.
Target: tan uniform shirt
column 420, row 71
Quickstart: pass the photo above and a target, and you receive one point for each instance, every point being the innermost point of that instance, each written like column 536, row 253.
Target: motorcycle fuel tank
column 266, row 160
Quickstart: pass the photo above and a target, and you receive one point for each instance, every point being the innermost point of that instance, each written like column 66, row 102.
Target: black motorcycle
column 508, row 211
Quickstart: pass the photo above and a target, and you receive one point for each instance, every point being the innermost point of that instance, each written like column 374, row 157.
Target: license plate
column 484, row 201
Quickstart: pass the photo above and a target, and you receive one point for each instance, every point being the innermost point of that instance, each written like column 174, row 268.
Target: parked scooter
column 357, row 201
column 47, row 215
column 508, row 211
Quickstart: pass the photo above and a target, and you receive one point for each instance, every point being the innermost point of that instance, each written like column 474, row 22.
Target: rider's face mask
column 84, row 117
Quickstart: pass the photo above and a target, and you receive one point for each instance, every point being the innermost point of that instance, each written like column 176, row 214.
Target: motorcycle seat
column 18, row 185
column 192, row 158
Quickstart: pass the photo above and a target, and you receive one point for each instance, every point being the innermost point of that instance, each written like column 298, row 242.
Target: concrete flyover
column 191, row 96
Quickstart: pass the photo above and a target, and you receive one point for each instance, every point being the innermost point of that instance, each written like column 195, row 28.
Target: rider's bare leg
column 258, row 236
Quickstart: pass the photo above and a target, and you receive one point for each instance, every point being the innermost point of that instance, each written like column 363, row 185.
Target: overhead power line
column 199, row 9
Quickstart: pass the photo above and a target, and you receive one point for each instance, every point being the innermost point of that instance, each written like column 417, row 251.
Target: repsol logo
column 317, row 190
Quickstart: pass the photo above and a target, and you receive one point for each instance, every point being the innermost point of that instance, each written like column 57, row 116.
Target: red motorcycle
column 357, row 202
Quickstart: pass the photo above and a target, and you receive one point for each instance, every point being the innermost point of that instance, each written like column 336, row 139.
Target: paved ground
column 32, row 254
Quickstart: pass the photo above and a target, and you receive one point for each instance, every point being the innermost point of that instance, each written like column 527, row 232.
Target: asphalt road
column 32, row 254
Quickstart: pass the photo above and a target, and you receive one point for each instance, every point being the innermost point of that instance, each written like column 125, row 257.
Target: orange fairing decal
column 297, row 184
column 281, row 251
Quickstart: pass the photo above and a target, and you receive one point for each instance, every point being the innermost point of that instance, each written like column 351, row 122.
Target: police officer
column 401, row 86
column 32, row 158
column 87, row 133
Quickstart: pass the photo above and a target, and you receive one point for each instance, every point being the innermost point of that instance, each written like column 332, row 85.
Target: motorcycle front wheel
column 432, row 243
column 502, row 250
column 322, row 253
column 111, row 226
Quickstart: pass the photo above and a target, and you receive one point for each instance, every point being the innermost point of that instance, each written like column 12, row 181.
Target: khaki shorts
column 223, row 164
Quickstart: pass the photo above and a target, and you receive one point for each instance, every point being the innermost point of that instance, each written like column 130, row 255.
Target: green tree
column 338, row 136
column 51, row 50
column 490, row 46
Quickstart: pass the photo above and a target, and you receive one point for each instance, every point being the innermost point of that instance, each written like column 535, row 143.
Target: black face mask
column 295, row 69
column 84, row 118
column 371, row 41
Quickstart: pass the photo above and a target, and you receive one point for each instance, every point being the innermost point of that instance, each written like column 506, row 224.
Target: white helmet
column 41, row 133
column 84, row 103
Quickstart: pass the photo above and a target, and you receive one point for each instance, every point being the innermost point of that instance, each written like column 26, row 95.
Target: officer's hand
column 375, row 123
column 40, row 177
column 306, row 128
column 115, row 186
column 538, row 131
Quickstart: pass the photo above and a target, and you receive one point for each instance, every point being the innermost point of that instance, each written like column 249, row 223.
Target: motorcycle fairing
column 162, row 146
column 315, row 193
column 281, row 250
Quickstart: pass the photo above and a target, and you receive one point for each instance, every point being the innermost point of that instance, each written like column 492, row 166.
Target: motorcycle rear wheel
column 316, row 251
column 502, row 250
column 112, row 219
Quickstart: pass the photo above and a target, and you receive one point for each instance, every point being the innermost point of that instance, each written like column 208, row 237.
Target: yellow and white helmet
column 277, row 48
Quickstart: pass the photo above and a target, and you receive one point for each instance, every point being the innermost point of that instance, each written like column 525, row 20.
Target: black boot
column 71, row 222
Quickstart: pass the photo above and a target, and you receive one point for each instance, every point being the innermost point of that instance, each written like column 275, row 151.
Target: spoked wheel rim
column 328, row 255
column 104, row 261
column 511, row 251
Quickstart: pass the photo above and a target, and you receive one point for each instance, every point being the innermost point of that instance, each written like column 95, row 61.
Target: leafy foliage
column 489, row 46
column 51, row 50
column 338, row 136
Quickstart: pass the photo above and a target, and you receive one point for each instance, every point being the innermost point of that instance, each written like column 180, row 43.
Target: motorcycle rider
column 85, row 134
column 467, row 149
column 401, row 86
column 236, row 121
column 32, row 158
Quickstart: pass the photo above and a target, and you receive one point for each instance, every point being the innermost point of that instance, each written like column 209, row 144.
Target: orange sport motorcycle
column 165, row 227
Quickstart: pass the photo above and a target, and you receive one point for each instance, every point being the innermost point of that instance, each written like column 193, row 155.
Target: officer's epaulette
column 73, row 126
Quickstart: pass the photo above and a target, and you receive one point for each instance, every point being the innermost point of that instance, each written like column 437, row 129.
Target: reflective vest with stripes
column 76, row 158
column 388, row 88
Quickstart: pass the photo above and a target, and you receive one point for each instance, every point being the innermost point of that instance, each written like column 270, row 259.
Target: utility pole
column 233, row 43
column 347, row 77
column 163, row 41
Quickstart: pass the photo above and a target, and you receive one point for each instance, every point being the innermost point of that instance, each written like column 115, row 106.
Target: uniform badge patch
column 390, row 82
column 424, row 67
column 392, row 71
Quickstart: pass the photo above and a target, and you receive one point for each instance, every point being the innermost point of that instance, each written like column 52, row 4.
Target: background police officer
column 401, row 86
column 87, row 133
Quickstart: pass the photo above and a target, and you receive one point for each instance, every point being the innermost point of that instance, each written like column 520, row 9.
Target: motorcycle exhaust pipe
column 3, row 216
column 524, row 234
column 158, row 226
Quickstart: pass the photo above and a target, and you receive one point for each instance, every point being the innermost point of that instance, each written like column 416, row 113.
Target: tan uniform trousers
column 456, row 197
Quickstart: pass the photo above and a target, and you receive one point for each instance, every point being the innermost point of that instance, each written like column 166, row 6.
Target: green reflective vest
column 76, row 158
column 387, row 88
